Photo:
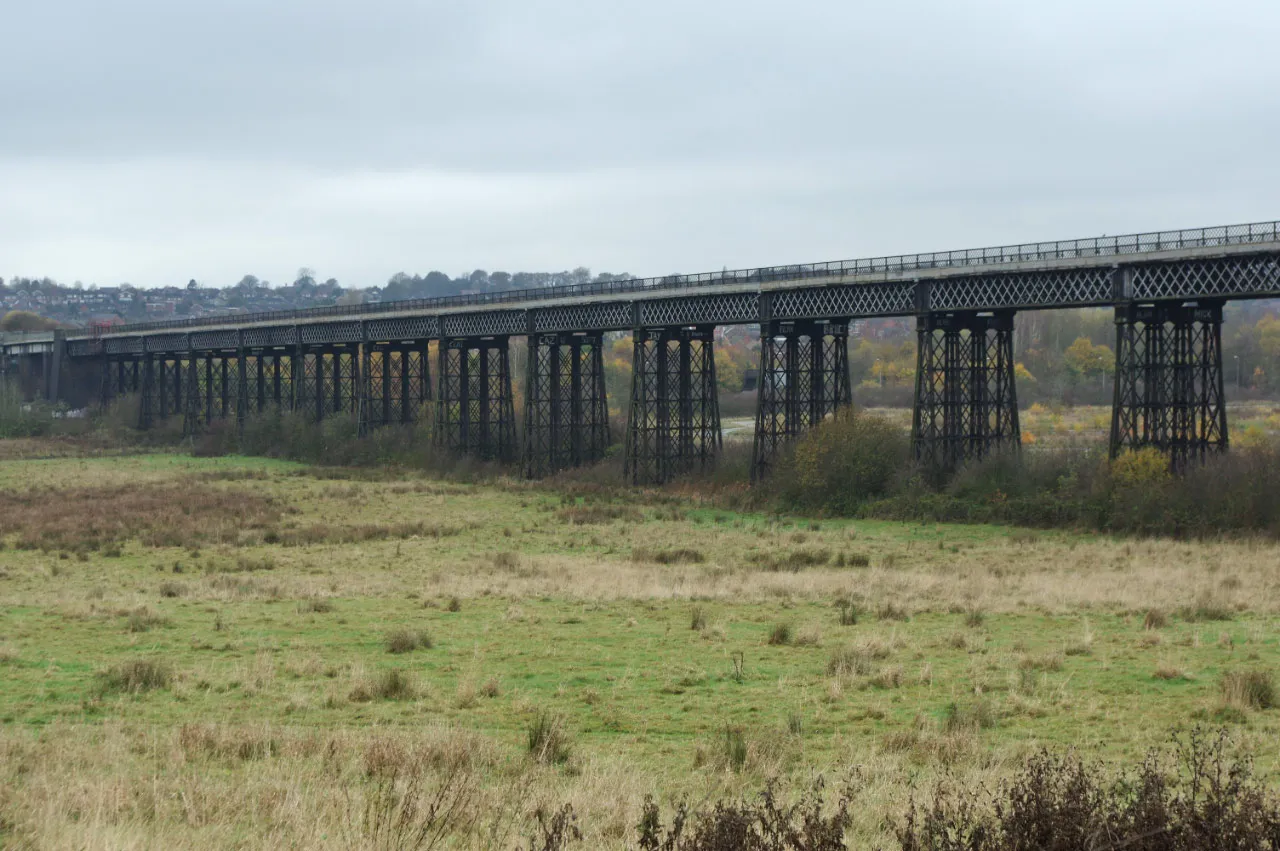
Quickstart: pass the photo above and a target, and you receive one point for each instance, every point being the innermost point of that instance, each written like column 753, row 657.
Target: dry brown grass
column 161, row 515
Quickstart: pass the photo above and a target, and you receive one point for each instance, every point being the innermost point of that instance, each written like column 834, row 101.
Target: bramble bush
column 843, row 463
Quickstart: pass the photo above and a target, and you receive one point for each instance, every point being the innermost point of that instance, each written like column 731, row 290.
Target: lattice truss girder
column 566, row 408
column 858, row 300
column 966, row 403
column 804, row 378
column 583, row 317
column 674, row 422
column 1169, row 384
column 1022, row 289
column 397, row 382
column 1203, row 279
column 475, row 411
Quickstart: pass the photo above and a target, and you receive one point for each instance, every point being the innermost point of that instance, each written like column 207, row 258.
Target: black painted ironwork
column 1105, row 250
column 475, row 411
column 397, row 382
column 966, row 403
column 566, row 407
column 1168, row 382
column 803, row 379
column 674, row 422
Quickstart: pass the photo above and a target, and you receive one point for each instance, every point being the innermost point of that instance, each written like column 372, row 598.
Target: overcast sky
column 154, row 141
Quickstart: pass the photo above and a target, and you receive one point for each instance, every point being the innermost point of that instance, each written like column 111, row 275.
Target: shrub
column 781, row 634
column 1141, row 469
column 1059, row 802
column 697, row 619
column 844, row 462
column 767, row 824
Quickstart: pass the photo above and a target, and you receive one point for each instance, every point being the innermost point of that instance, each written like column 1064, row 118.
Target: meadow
column 241, row 652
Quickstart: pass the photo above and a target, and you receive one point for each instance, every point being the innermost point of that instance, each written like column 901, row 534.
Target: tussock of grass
column 546, row 739
column 976, row 715
column 393, row 684
column 315, row 605
column 136, row 675
column 857, row 659
column 781, row 634
column 172, row 589
column 143, row 619
column 407, row 640
column 678, row 555
column 1249, row 689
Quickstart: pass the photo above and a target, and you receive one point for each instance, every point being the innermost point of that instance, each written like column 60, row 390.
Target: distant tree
column 249, row 282
column 436, row 284
column 25, row 320
column 1084, row 358
column 192, row 285
column 499, row 281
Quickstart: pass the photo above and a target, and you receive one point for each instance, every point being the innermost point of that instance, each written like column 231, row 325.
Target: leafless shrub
column 1058, row 802
column 767, row 824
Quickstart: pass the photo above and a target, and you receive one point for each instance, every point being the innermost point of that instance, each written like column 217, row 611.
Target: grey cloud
column 156, row 141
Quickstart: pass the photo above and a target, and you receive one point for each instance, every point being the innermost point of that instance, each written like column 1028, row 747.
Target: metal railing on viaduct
column 375, row 360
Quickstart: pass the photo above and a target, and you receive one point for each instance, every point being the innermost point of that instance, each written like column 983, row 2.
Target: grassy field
column 237, row 652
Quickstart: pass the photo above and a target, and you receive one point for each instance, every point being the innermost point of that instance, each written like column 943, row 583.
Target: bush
column 843, row 463
column 1059, row 802
column 768, row 824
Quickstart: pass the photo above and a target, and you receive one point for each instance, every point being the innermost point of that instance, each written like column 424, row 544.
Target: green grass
column 964, row 630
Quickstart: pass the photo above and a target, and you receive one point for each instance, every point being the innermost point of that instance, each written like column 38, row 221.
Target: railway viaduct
column 376, row 360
